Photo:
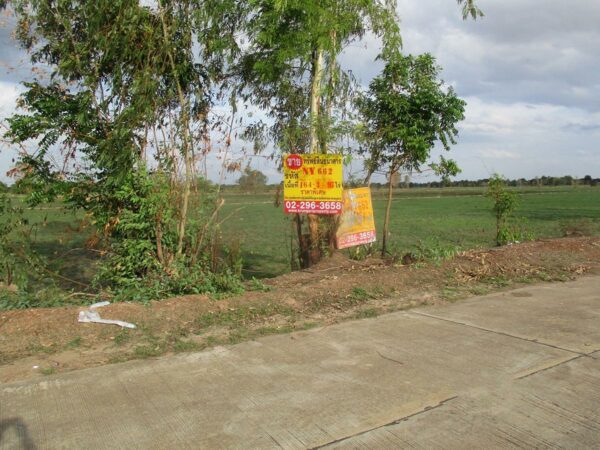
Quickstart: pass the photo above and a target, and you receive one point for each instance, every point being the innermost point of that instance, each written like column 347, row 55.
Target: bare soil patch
column 38, row 342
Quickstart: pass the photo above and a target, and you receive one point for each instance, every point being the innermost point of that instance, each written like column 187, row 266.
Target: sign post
column 357, row 225
column 312, row 184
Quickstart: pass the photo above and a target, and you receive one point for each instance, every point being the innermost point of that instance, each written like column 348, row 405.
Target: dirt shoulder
column 38, row 342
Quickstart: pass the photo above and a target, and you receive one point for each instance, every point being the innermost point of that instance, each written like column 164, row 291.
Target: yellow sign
column 357, row 225
column 312, row 184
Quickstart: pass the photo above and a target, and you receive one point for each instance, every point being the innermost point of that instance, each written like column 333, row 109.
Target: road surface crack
column 501, row 333
column 543, row 369
column 274, row 440
column 389, row 359
column 389, row 424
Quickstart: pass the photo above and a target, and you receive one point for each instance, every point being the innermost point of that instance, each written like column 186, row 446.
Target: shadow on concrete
column 25, row 441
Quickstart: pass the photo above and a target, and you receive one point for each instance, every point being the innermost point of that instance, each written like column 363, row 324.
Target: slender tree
column 505, row 202
column 405, row 112
column 290, row 69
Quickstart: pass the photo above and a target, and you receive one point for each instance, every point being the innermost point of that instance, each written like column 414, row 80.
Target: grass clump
column 266, row 331
column 48, row 371
column 75, row 343
column 186, row 346
column 240, row 316
column 359, row 294
column 148, row 351
column 122, row 336
column 433, row 250
column 45, row 297
column 368, row 313
column 256, row 285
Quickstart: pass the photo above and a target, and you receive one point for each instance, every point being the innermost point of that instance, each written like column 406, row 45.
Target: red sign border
column 296, row 209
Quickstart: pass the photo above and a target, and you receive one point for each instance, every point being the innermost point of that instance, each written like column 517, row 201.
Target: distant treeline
column 567, row 180
column 24, row 187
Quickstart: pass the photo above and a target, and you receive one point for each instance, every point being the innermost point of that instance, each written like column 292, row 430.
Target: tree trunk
column 187, row 185
column 499, row 226
column 159, row 247
column 330, row 91
column 315, row 97
column 303, row 243
column 185, row 145
column 371, row 166
column 314, row 251
column 388, row 208
column 368, row 177
column 314, row 247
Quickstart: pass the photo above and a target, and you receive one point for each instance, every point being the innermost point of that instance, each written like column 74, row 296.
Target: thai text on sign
column 357, row 225
column 312, row 184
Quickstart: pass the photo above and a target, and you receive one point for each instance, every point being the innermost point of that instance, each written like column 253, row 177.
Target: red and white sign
column 312, row 184
column 293, row 161
column 350, row 240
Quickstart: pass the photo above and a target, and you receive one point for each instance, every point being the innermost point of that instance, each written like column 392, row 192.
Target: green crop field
column 426, row 218
column 58, row 235
column 447, row 217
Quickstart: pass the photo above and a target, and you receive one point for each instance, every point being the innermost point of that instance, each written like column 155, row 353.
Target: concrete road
column 517, row 369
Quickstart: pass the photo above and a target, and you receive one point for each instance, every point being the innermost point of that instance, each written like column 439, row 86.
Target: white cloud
column 497, row 119
column 9, row 92
column 526, row 140
column 528, row 70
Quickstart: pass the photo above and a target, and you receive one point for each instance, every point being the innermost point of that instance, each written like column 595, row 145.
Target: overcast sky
column 529, row 71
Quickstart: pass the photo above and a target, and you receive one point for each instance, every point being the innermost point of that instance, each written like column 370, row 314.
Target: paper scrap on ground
column 91, row 315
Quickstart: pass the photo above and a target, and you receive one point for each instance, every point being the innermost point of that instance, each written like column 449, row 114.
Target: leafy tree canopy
column 291, row 61
column 405, row 112
column 252, row 180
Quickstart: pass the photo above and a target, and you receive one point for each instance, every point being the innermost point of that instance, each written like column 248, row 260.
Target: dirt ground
column 39, row 342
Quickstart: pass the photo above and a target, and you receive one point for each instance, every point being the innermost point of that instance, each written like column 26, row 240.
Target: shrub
column 17, row 259
column 505, row 202
column 142, row 263
column 509, row 228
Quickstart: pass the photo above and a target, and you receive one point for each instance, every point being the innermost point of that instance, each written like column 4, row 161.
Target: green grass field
column 58, row 235
column 440, row 218
column 448, row 217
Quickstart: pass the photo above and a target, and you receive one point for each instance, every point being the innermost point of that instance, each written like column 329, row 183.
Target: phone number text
column 312, row 207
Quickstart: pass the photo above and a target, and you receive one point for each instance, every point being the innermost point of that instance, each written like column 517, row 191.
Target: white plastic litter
column 91, row 315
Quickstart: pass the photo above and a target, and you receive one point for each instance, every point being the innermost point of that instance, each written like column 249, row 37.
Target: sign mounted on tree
column 312, row 184
column 357, row 225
